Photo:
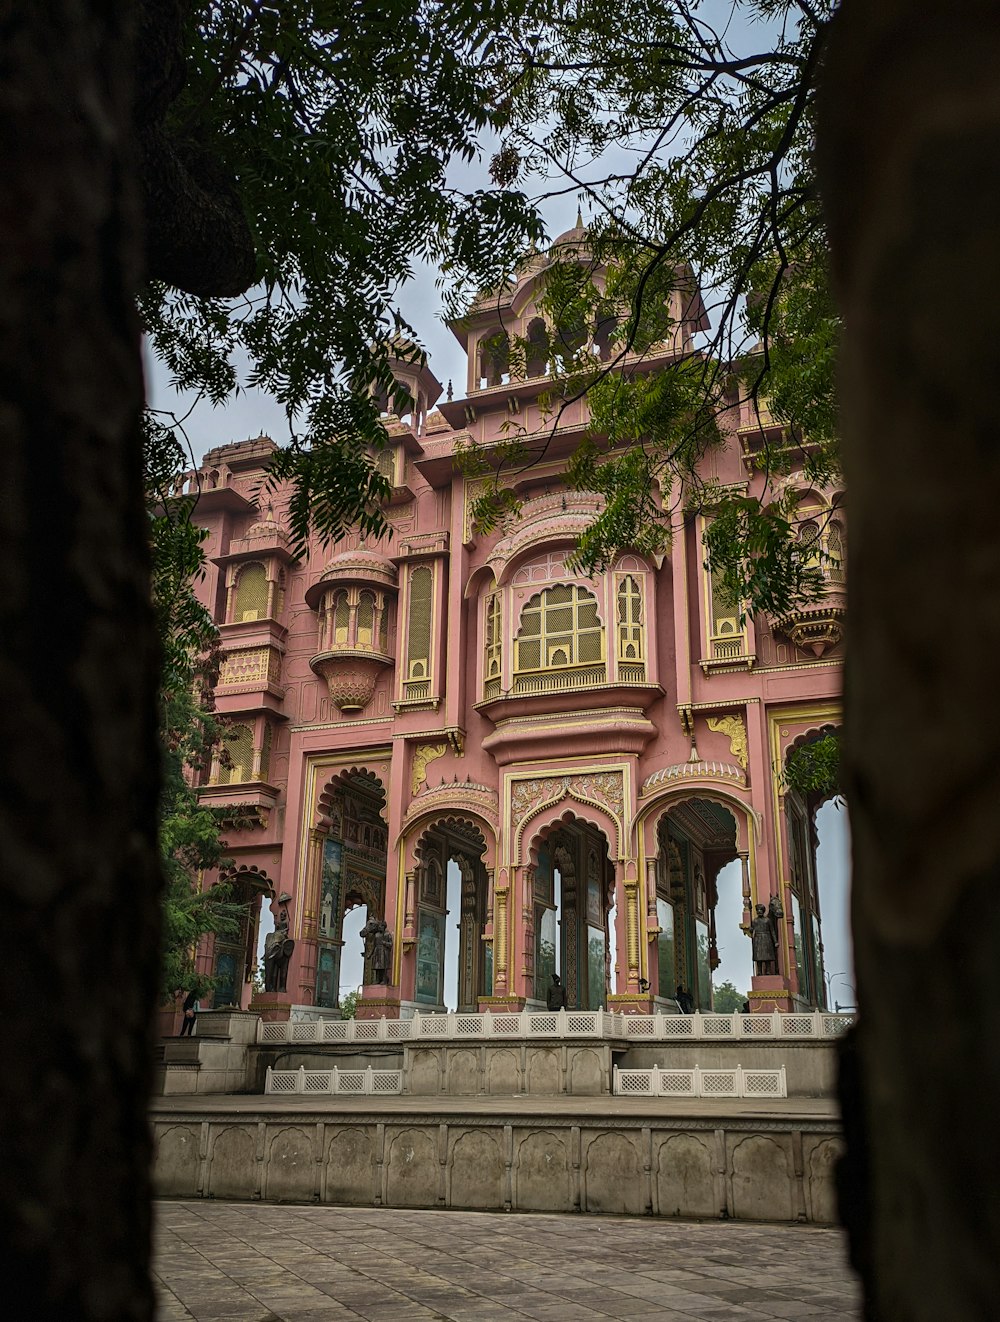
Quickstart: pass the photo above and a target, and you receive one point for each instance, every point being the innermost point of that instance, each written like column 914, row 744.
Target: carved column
column 744, row 857
column 410, row 907
column 501, row 980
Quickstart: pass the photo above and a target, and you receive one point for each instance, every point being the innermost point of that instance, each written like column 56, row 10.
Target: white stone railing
column 358, row 1083
column 696, row 1082
column 561, row 1024
column 715, row 1027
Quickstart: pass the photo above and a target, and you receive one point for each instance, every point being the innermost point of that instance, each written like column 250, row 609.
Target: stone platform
column 328, row 1264
column 757, row 1160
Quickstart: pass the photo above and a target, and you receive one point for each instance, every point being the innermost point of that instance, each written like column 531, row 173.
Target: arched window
column 265, row 751
column 385, row 462
column 418, row 642
column 537, row 350
column 341, row 620
column 238, row 743
column 493, row 640
column 366, row 620
column 251, row 593
column 604, row 330
column 383, row 627
column 559, row 628
column 630, row 639
column 809, row 541
column 835, row 554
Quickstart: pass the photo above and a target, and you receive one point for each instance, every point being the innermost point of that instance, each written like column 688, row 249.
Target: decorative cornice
column 683, row 771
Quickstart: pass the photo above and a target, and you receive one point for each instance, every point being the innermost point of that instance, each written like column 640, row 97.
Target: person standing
column 191, row 1007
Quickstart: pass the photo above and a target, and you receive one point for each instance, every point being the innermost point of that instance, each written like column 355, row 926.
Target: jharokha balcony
column 352, row 600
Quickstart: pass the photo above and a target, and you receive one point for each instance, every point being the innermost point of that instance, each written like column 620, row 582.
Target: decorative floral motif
column 735, row 730
column 604, row 789
column 422, row 756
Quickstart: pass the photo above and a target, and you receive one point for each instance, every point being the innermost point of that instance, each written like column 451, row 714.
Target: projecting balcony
column 575, row 705
column 351, row 674
column 817, row 626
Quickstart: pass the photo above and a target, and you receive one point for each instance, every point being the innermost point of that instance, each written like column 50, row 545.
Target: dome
column 357, row 566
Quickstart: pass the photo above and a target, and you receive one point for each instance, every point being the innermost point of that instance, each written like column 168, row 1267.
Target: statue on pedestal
column 763, row 938
column 277, row 952
column 378, row 948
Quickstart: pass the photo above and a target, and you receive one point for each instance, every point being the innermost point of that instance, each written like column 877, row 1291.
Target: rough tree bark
column 909, row 143
column 79, row 763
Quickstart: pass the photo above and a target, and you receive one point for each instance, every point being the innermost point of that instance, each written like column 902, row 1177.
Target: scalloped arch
column 542, row 819
column 649, row 817
column 324, row 802
column 410, row 840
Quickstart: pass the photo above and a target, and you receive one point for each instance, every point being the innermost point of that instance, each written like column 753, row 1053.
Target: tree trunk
column 79, row 763
column 909, row 140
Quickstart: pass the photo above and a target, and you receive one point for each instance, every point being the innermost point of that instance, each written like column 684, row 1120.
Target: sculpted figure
column 378, row 948
column 556, row 999
column 765, row 947
column 277, row 952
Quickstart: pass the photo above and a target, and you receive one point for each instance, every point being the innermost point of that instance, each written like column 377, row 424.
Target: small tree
column 726, row 999
column 190, row 839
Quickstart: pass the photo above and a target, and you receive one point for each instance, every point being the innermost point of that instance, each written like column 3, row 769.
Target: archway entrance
column 573, row 898
column 819, row 899
column 234, row 959
column 454, row 965
column 352, row 882
column 696, row 840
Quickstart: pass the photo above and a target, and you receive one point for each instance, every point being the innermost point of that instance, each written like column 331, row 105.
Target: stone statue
column 556, row 999
column 775, row 913
column 277, row 952
column 765, row 947
column 378, row 948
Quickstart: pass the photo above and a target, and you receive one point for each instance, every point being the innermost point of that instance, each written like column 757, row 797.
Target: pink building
column 527, row 767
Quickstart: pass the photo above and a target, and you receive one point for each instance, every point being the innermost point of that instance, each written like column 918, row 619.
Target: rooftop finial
column 579, row 215
column 450, row 390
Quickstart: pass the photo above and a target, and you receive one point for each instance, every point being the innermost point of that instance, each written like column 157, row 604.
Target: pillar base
column 501, row 1004
column 273, row 1007
column 631, row 1002
column 768, row 992
column 379, row 1000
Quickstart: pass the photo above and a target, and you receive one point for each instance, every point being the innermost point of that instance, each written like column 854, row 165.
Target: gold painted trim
column 550, row 772
column 315, row 764
column 776, row 717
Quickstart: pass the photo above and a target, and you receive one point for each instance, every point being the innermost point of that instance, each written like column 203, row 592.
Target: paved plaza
column 266, row 1263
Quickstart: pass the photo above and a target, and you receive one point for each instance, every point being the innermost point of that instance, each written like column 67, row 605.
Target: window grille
column 835, row 554
column 560, row 627
column 238, row 743
column 630, row 631
column 493, row 637
column 265, row 751
column 383, row 626
column 341, row 620
column 385, row 462
column 366, row 620
column 251, row 594
column 418, row 647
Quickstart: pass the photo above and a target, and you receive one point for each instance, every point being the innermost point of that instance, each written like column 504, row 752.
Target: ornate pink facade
column 588, row 750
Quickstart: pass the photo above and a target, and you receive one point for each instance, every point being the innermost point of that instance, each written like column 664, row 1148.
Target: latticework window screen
column 493, row 636
column 725, row 616
column 251, row 593
column 559, row 627
column 238, row 743
column 418, row 642
column 366, row 620
column 383, row 628
column 630, row 640
column 341, row 620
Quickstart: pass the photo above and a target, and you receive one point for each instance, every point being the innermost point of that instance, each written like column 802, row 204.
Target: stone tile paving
column 253, row 1262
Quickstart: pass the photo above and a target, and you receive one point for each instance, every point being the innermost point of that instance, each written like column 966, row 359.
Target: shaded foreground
column 267, row 1263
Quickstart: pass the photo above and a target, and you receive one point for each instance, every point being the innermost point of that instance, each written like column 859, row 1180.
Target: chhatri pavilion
column 521, row 767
